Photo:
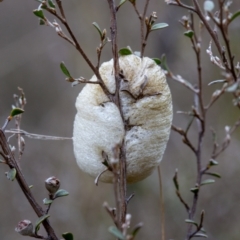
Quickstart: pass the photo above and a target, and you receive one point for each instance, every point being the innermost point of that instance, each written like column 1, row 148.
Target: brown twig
column 119, row 179
column 175, row 180
column 63, row 20
column 12, row 163
column 184, row 82
column 142, row 22
column 185, row 137
column 199, row 227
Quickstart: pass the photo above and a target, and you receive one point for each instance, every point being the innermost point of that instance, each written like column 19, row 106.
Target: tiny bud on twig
column 52, row 184
column 25, row 228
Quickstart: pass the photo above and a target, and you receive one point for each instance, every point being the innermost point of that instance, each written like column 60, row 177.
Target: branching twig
column 12, row 163
column 63, row 20
column 185, row 137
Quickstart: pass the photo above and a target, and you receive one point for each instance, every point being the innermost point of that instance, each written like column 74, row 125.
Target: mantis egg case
column 147, row 110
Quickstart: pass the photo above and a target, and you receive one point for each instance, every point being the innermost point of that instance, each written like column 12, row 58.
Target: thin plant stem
column 162, row 208
column 12, row 163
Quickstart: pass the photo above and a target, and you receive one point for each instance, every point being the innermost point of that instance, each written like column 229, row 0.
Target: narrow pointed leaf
column 121, row 3
column 61, row 193
column 47, row 201
column 208, row 181
column 217, row 81
column 194, row 190
column 201, row 235
column 213, row 162
column 98, row 28
column 157, row 61
column 67, row 236
column 125, row 51
column 191, row 222
column 158, row 26
column 65, row 70
column 203, row 230
column 235, row 15
column 164, row 63
column 136, row 229
column 39, row 222
column 116, row 232
column 213, row 174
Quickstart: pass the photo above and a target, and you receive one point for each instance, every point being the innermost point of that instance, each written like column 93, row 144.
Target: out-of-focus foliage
column 30, row 55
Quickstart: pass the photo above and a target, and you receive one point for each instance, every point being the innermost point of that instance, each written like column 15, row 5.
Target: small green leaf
column 39, row 221
column 194, row 190
column 41, row 21
column 65, row 70
column 213, row 174
column 189, row 33
column 75, row 83
column 235, row 15
column 233, row 87
column 61, row 193
column 191, row 222
column 67, row 236
column 164, row 63
column 208, row 181
column 121, row 3
column 213, row 162
column 136, row 229
column 31, row 186
column 98, row 28
column 43, row 6
column 125, row 51
column 51, row 4
column 47, row 201
column 200, row 235
column 116, row 232
column 39, row 13
column 11, row 174
column 132, row 1
column 157, row 61
column 158, row 26
column 16, row 111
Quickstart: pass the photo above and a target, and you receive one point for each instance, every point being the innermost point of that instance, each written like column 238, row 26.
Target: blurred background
column 30, row 55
